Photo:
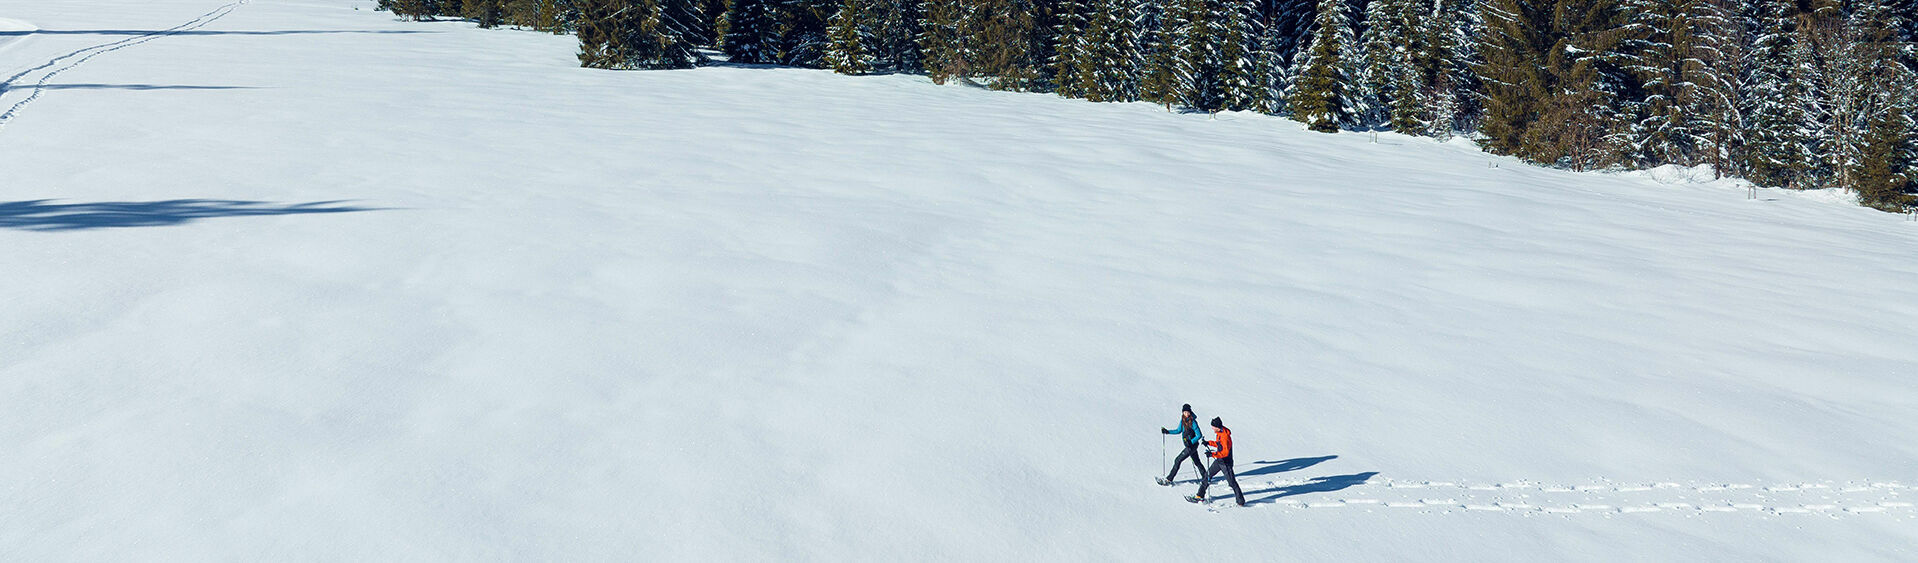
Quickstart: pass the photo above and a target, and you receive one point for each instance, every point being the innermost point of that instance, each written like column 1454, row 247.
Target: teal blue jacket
column 1188, row 431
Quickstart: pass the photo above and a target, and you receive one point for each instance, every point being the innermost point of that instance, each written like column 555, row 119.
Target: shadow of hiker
column 1294, row 464
column 1318, row 485
column 39, row 215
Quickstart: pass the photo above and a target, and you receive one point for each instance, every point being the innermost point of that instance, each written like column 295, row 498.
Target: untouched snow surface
column 294, row 280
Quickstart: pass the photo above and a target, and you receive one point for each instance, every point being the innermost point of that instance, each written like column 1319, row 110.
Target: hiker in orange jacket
column 1220, row 449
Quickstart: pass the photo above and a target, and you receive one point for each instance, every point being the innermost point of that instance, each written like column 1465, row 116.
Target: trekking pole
column 1162, row 452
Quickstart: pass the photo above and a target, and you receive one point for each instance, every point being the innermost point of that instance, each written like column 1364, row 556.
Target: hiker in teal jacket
column 1189, row 433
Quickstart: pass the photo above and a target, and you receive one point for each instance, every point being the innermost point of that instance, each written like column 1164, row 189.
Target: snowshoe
column 1164, row 482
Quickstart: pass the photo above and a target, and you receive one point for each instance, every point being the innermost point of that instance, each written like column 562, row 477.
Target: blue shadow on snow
column 40, row 215
column 1267, row 467
column 1317, row 485
column 1295, row 464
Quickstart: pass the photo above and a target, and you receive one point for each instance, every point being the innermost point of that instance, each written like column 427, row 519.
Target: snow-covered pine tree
column 706, row 33
column 1450, row 31
column 1390, row 85
column 555, row 16
column 991, row 40
column 1069, row 65
column 1110, row 60
column 1288, row 28
column 896, row 36
column 849, row 42
column 1456, row 29
column 802, row 33
column 942, row 40
column 1273, row 68
column 635, row 34
column 486, row 13
column 1669, row 58
column 1515, row 84
column 1193, row 65
column 416, row 9
column 1776, row 149
column 749, row 32
column 608, row 36
column 1321, row 96
column 1241, row 76
column 1884, row 174
column 1160, row 22
column 1586, row 126
column 1866, row 78
column 1007, row 43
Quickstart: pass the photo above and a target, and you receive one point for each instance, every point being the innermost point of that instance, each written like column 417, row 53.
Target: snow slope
column 288, row 279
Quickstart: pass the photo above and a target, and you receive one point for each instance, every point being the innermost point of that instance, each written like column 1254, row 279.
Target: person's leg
column 1206, row 479
column 1176, row 462
column 1233, row 480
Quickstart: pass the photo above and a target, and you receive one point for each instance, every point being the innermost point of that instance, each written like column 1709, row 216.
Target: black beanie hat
column 1186, row 407
column 1216, row 423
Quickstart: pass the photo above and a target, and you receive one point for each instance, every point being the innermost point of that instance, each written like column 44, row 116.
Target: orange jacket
column 1223, row 444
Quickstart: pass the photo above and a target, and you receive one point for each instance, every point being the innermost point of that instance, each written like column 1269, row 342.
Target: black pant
column 1223, row 464
column 1191, row 451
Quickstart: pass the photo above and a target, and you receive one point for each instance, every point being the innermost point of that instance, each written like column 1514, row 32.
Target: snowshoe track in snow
column 1528, row 498
column 54, row 67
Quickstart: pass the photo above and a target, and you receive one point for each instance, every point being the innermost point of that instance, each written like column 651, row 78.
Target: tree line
column 1791, row 93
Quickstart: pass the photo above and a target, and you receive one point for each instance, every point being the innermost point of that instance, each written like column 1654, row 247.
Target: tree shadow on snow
column 40, row 215
column 1317, row 485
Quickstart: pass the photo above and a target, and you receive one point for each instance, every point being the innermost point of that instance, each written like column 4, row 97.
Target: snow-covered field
column 299, row 281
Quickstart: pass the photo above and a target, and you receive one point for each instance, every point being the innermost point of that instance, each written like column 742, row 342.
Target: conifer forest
column 1800, row 94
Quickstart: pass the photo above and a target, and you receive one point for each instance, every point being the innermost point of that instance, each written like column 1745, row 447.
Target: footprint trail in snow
column 1827, row 498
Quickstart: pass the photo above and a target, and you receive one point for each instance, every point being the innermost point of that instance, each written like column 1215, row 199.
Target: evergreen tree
column 990, row 40
column 1450, row 30
column 1109, row 61
column 1516, row 86
column 1885, row 169
column 556, row 16
column 944, row 30
column 848, row 50
column 1390, row 85
column 1776, row 149
column 418, row 10
column 802, row 33
column 635, row 34
column 1189, row 44
column 487, row 13
column 1272, row 68
column 1162, row 74
column 1320, row 96
column 1288, row 28
column 1008, row 44
column 896, row 36
column 1686, row 56
column 1071, row 64
column 1241, row 76
column 750, row 30
column 1585, row 122
column 1868, row 136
